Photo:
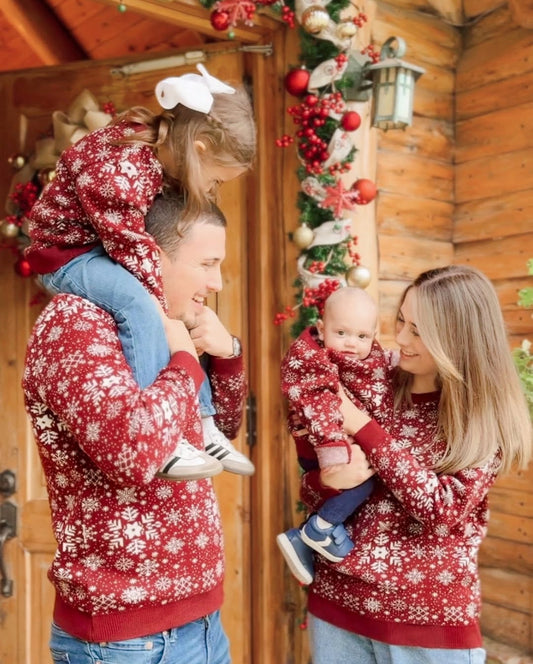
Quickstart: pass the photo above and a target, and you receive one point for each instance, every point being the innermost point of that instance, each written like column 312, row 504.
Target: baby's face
column 348, row 330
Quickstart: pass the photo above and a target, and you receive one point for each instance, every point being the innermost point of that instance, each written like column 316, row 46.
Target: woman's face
column 414, row 356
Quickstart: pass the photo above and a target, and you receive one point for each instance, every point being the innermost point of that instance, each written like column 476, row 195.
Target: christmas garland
column 328, row 74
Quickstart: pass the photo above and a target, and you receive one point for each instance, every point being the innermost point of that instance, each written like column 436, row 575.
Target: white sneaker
column 219, row 447
column 189, row 463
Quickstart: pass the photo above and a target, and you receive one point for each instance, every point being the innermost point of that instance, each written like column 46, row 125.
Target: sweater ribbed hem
column 50, row 259
column 135, row 623
column 399, row 634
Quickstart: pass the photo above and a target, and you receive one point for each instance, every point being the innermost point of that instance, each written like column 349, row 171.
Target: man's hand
column 348, row 475
column 178, row 337
column 210, row 336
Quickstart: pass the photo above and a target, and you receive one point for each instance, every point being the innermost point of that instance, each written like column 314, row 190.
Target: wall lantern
column 393, row 84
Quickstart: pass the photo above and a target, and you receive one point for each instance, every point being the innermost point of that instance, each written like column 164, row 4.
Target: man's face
column 193, row 272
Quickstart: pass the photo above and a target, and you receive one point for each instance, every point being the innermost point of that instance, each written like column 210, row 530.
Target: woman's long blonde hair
column 228, row 132
column 482, row 410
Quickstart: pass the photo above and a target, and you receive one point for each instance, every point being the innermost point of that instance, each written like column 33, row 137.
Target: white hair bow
column 191, row 90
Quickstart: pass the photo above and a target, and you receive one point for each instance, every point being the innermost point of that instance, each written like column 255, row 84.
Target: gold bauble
column 303, row 236
column 17, row 161
column 9, row 229
column 346, row 29
column 46, row 175
column 315, row 19
column 359, row 276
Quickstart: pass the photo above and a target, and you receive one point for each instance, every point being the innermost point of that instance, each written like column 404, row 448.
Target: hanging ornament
column 46, row 175
column 22, row 268
column 351, row 121
column 219, row 20
column 358, row 276
column 9, row 229
column 303, row 236
column 315, row 19
column 365, row 191
column 296, row 81
column 346, row 29
column 17, row 161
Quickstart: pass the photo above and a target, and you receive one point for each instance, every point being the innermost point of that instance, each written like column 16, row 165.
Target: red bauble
column 351, row 121
column 296, row 81
column 219, row 20
column 22, row 268
column 366, row 191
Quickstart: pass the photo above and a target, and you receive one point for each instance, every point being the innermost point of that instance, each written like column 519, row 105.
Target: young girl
column 409, row 590
column 87, row 229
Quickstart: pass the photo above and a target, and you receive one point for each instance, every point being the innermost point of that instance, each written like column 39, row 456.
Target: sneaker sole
column 292, row 560
column 188, row 475
column 220, row 453
column 316, row 546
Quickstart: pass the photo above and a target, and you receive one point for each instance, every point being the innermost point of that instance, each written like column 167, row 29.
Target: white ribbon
column 191, row 90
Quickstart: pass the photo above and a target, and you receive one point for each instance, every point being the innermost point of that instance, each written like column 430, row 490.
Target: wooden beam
column 522, row 12
column 42, row 32
column 192, row 15
column 451, row 10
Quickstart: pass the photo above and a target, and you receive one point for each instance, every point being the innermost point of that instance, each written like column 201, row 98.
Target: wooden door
column 25, row 616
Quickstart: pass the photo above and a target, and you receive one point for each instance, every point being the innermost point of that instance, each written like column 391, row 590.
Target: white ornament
column 339, row 148
column 331, row 232
column 312, row 280
column 326, row 72
column 312, row 187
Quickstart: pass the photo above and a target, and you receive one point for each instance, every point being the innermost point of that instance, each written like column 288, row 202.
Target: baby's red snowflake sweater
column 135, row 554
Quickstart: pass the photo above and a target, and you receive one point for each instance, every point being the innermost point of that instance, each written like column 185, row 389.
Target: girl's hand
column 210, row 336
column 178, row 337
column 349, row 475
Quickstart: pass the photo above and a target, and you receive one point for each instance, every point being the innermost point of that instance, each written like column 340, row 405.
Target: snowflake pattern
column 124, row 538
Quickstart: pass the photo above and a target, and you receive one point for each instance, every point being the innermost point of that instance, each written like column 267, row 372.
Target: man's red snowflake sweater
column 135, row 554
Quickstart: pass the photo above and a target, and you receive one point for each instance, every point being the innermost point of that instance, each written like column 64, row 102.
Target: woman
column 409, row 590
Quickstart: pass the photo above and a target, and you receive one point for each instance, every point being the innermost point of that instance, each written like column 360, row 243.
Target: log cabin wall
column 493, row 230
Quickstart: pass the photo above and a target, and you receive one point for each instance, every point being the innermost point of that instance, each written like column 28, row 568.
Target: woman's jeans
column 200, row 642
column 98, row 278
column 333, row 645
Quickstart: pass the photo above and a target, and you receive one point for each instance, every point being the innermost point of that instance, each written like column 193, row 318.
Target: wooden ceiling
column 37, row 33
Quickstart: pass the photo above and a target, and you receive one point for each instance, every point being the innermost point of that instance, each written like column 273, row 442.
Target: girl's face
column 414, row 356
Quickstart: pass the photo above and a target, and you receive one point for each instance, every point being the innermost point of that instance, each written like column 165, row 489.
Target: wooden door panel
column 25, row 617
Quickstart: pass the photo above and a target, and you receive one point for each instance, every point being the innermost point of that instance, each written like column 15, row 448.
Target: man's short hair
column 165, row 222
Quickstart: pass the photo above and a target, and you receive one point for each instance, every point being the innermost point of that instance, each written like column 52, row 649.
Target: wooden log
column 429, row 40
column 522, row 12
column 406, row 259
column 502, row 174
column 505, row 500
column 498, row 259
column 494, row 96
column 511, row 527
column 401, row 215
column 491, row 25
column 427, row 137
column 494, row 217
column 413, row 176
column 506, row 589
column 521, row 480
column 506, row 626
column 477, row 8
column 496, row 60
column 505, row 130
column 506, row 554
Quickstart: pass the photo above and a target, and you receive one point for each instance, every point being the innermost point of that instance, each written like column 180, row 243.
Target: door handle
column 8, row 529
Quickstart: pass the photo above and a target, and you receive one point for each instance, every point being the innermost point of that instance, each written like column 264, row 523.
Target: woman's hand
column 348, row 475
column 354, row 419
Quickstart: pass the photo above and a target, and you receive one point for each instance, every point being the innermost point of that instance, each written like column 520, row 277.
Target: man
column 139, row 566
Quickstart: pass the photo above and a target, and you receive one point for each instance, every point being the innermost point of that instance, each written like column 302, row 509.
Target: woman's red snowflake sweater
column 412, row 577
column 135, row 554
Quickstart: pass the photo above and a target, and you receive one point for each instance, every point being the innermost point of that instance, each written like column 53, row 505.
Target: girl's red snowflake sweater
column 100, row 195
column 135, row 554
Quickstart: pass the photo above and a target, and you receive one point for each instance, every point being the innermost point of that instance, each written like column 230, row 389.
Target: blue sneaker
column 333, row 543
column 298, row 556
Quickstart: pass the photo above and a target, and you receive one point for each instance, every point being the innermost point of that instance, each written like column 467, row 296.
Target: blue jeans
column 98, row 278
column 202, row 641
column 333, row 645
